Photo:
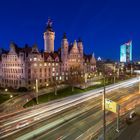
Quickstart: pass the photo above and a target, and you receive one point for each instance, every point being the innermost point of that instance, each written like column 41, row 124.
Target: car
column 132, row 114
column 131, row 117
column 22, row 124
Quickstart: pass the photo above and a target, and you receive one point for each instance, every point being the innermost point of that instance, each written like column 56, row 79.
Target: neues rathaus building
column 20, row 67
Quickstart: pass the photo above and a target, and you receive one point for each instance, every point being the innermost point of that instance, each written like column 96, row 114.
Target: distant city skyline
column 103, row 25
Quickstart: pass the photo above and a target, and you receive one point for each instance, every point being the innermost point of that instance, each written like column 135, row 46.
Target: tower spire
column 49, row 25
column 64, row 36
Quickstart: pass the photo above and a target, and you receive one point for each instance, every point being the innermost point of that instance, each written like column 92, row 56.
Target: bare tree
column 75, row 77
column 54, row 84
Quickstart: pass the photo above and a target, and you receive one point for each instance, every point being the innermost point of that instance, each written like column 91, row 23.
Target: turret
column 49, row 36
column 64, row 48
column 80, row 47
column 35, row 49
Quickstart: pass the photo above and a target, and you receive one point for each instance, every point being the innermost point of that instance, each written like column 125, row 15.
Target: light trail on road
column 58, row 106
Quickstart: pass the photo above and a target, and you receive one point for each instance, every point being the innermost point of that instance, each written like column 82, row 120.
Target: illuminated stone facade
column 20, row 67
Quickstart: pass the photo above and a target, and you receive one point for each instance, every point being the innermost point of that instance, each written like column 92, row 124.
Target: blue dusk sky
column 103, row 25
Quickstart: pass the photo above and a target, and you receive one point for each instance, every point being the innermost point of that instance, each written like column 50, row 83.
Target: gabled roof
column 87, row 57
column 25, row 49
column 53, row 55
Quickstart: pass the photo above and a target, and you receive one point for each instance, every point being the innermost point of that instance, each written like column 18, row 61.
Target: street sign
column 111, row 105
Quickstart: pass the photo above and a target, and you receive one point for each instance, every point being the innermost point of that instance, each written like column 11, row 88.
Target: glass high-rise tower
column 126, row 52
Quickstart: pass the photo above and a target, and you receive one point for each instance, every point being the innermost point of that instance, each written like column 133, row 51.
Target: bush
column 22, row 89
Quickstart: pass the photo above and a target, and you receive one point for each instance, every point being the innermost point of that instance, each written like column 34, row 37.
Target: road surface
column 132, row 132
column 60, row 112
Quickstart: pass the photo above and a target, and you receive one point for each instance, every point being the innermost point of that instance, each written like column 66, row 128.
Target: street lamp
column 114, row 73
column 104, row 117
column 6, row 89
column 36, row 90
column 85, row 80
column 138, row 72
column 11, row 96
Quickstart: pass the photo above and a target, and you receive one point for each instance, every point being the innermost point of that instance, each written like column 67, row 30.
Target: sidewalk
column 17, row 103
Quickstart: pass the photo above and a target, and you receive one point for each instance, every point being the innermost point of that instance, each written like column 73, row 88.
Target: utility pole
column 118, row 115
column 104, row 117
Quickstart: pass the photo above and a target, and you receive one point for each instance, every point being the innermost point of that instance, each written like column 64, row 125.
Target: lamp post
column 131, row 70
column 114, row 74
column 138, row 76
column 36, row 90
column 85, row 80
column 104, row 117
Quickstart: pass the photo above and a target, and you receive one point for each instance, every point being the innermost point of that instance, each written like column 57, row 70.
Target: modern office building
column 126, row 52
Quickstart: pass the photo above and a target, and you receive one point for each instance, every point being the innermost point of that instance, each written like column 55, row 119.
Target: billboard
column 126, row 52
column 111, row 105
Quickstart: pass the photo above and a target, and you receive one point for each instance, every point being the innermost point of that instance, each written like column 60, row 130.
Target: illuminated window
column 53, row 69
column 35, row 64
column 30, row 59
column 45, row 64
column 35, row 58
column 60, row 78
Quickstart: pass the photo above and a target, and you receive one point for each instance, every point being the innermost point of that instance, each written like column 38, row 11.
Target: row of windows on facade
column 12, row 59
column 35, row 64
column 6, row 70
column 45, row 64
column 74, row 60
column 38, row 59
column 41, row 70
column 13, row 65
column 43, row 76
column 47, row 80
column 75, row 55
column 14, row 82
column 12, row 76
